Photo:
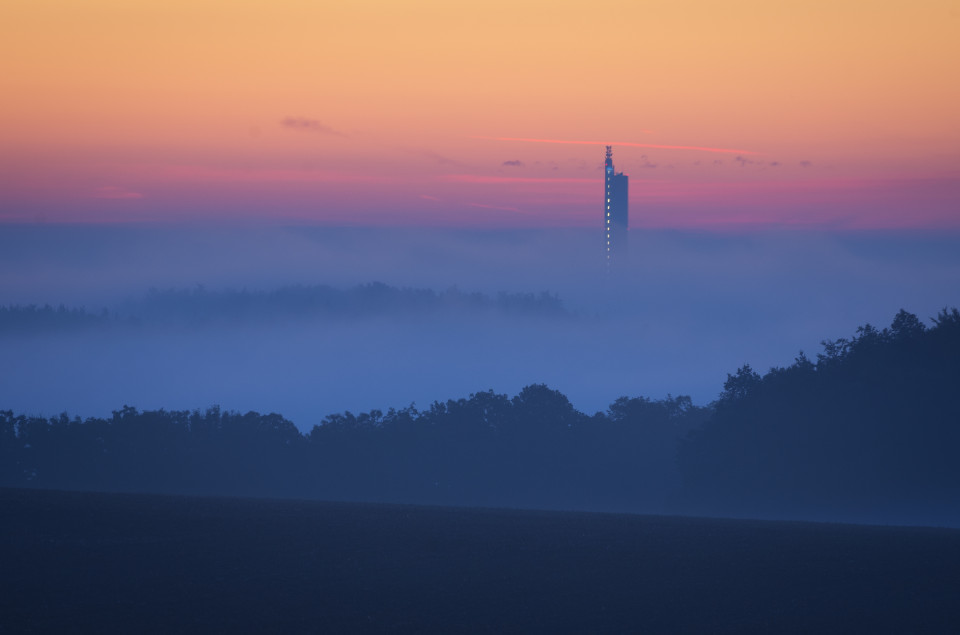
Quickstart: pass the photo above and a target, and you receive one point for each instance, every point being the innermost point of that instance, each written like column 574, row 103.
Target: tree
column 738, row 386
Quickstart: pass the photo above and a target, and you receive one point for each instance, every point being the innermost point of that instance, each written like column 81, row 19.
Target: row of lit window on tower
column 608, row 218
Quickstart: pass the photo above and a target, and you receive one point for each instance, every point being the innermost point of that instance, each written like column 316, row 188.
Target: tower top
column 608, row 161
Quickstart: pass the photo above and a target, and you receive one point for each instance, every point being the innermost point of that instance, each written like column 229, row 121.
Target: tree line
column 869, row 430
column 201, row 306
column 18, row 318
column 534, row 449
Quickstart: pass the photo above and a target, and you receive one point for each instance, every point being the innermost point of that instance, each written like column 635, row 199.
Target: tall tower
column 616, row 212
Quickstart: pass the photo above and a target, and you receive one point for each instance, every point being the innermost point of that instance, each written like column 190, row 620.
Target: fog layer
column 686, row 310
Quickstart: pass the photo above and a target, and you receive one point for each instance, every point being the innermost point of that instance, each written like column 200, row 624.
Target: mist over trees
column 305, row 302
column 200, row 306
column 691, row 307
column 29, row 318
column 869, row 432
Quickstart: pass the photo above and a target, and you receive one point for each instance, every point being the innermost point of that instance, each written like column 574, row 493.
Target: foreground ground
column 138, row 563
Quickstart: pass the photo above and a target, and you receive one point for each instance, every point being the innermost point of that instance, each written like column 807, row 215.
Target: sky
column 825, row 115
column 794, row 173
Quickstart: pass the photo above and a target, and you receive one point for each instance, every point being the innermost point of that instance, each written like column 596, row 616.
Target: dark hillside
column 110, row 563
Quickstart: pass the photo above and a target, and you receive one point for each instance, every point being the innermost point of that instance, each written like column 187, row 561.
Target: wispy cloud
column 513, row 164
column 439, row 158
column 436, row 157
column 478, row 178
column 499, row 207
column 214, row 174
column 646, row 162
column 309, row 125
column 805, row 164
column 429, row 198
column 115, row 192
column 628, row 144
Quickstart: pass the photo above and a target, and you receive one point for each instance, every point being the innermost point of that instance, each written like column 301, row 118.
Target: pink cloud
column 845, row 204
column 209, row 174
column 115, row 192
column 498, row 207
column 477, row 178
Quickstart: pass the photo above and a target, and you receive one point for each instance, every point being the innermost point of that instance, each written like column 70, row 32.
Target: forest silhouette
column 867, row 432
column 200, row 306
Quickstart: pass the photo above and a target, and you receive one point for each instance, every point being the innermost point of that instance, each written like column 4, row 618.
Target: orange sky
column 389, row 112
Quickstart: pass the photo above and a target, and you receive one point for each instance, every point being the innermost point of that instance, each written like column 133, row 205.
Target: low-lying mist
column 687, row 309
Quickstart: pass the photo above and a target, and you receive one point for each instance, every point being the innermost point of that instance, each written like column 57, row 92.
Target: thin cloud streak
column 619, row 143
column 213, row 174
column 310, row 125
column 115, row 192
column 499, row 207
column 478, row 178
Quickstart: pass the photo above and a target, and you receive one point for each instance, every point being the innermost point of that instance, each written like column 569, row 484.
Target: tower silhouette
column 616, row 218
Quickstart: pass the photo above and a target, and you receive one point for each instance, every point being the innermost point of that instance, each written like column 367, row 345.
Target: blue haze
column 688, row 308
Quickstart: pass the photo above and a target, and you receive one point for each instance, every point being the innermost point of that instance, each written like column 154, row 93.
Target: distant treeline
column 535, row 449
column 869, row 431
column 199, row 306
column 27, row 318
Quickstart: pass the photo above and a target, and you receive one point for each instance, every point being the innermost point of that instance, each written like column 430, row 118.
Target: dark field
column 136, row 563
